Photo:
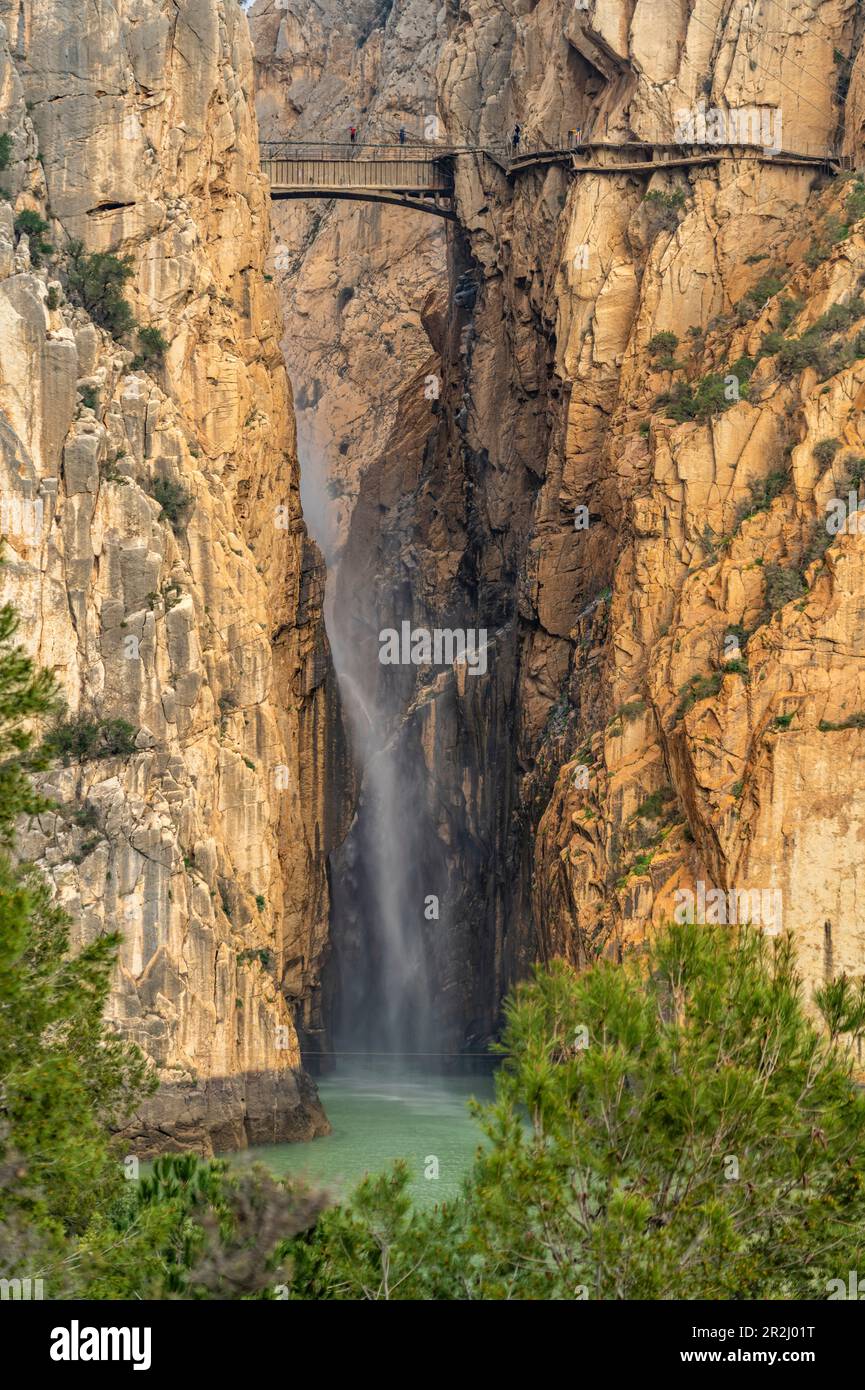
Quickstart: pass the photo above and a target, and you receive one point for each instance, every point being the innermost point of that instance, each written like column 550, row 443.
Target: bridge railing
column 395, row 175
column 430, row 153
column 428, row 150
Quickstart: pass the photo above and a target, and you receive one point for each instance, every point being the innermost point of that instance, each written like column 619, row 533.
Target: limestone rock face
column 674, row 686
column 355, row 279
column 688, row 659
column 157, row 553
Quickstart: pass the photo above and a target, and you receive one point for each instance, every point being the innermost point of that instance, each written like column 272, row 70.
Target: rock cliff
column 157, row 553
column 659, row 393
column 651, row 389
column 647, row 412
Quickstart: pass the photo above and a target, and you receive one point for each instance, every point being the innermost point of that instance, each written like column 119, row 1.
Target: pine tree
column 64, row 1080
column 677, row 1127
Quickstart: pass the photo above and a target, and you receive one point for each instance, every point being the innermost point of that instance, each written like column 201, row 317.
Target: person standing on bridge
column 353, row 134
column 516, row 137
column 402, row 135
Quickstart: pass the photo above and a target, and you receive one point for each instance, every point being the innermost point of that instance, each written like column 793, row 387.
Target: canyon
column 648, row 388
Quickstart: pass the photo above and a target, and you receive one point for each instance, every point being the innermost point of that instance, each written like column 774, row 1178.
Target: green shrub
column 654, row 804
column 31, row 225
column 798, row 353
column 855, row 472
column 763, row 493
column 664, row 209
column 174, row 500
column 818, row 543
column 840, row 316
column 263, row 955
column 790, row 308
column 772, row 343
column 817, row 253
column 663, row 344
column 52, row 299
column 855, row 206
column 152, row 349
column 83, row 740
column 28, row 223
column 686, row 402
column 825, row 450
column 86, row 849
column 751, row 303
column 782, row 586
column 108, row 471
column 5, row 150
column 856, row 721
column 812, row 348
column 704, row 1035
column 696, row 689
column 737, row 667
column 768, row 286
column 96, row 282
column 632, row 710
column 742, row 368
column 639, row 867
column 89, row 397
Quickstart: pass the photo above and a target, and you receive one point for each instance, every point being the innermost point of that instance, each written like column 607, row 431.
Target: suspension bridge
column 421, row 176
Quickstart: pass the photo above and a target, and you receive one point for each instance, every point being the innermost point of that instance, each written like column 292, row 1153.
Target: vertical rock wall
column 649, row 760
column 132, row 130
column 621, row 748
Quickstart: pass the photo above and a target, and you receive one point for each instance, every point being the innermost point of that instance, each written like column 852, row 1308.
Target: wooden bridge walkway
column 421, row 176
column 403, row 175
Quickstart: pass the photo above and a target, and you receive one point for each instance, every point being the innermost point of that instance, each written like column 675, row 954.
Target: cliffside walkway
column 413, row 176
column 421, row 176
column 635, row 156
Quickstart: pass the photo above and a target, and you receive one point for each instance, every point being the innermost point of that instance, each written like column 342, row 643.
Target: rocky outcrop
column 157, row 553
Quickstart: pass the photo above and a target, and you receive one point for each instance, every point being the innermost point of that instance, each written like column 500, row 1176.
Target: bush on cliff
column 96, row 282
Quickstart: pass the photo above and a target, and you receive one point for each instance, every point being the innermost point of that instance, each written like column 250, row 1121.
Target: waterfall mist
column 379, row 989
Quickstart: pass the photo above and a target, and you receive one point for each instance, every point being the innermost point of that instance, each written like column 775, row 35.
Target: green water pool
column 376, row 1118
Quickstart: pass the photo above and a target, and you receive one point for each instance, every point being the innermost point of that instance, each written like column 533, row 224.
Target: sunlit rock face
column 684, row 645
column 674, row 695
column 198, row 620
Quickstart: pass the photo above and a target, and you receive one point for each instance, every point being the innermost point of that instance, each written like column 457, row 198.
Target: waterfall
column 381, row 989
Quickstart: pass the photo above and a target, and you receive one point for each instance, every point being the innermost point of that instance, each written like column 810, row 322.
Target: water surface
column 379, row 1116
